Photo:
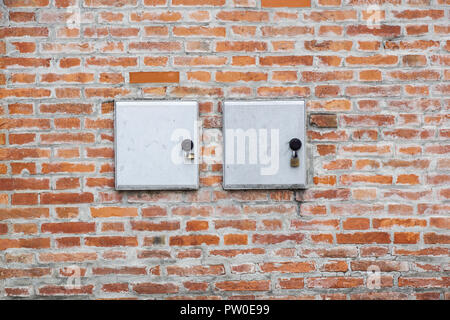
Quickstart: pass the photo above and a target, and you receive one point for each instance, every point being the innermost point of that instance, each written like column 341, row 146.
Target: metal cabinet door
column 256, row 137
column 148, row 137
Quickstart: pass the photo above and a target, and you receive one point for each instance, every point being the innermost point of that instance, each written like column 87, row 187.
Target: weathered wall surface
column 377, row 98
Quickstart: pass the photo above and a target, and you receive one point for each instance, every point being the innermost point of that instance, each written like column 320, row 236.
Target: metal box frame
column 305, row 152
column 150, row 103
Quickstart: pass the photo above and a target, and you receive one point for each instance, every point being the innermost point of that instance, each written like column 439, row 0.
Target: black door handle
column 295, row 144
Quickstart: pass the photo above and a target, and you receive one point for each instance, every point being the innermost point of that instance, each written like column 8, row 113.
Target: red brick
column 115, row 287
column 235, row 239
column 64, row 198
column 259, row 285
column 283, row 91
column 25, row 47
column 26, row 3
column 240, row 76
column 382, row 31
column 372, row 179
column 286, row 31
column 155, row 288
column 195, row 286
column 335, row 266
column 24, row 198
column 25, row 228
column 363, row 237
column 67, row 167
column 112, row 241
column 356, row 224
column 419, row 14
column 53, row 138
column 109, row 212
column 384, row 266
column 240, row 46
column 21, row 138
column 315, row 224
column 154, row 77
column 64, row 290
column 287, row 267
column 198, row 2
column 24, row 184
column 442, row 223
column 417, row 282
column 200, row 270
column 244, row 30
column 155, row 226
column 323, row 120
column 30, row 243
column 286, row 60
column 285, row 3
column 24, row 32
column 291, row 283
column 120, row 271
column 275, row 238
column 406, row 237
column 196, row 225
column 436, row 238
column 109, row 3
column 68, row 242
column 335, row 282
column 193, row 240
column 18, row 292
column 68, row 227
column 157, row 16
column 24, row 273
column 69, row 62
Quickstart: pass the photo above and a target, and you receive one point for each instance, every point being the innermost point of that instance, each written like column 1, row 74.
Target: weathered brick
column 363, row 237
column 194, row 240
column 155, row 288
column 112, row 241
column 68, row 227
column 285, row 3
column 287, row 267
column 261, row 285
column 335, row 282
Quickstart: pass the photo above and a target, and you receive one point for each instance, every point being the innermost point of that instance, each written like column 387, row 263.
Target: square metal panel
column 256, row 137
column 148, row 137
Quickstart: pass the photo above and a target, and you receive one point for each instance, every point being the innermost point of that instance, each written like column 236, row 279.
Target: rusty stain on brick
column 323, row 120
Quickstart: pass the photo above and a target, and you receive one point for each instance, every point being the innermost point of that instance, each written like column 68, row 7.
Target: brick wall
column 377, row 94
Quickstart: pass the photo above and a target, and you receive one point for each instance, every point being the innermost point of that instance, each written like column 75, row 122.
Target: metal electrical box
column 156, row 145
column 264, row 145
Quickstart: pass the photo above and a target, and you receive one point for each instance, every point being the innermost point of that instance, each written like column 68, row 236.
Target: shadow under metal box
column 259, row 138
column 149, row 138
